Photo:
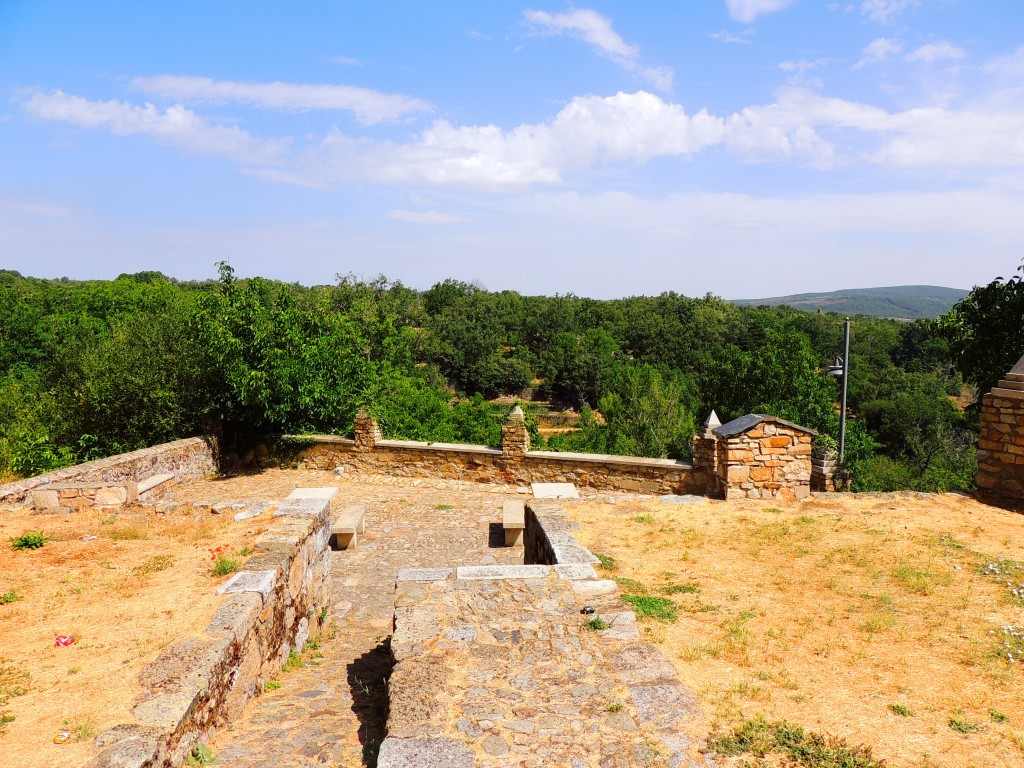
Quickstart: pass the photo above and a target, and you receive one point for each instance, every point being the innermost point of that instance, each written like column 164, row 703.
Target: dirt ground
column 877, row 619
column 143, row 581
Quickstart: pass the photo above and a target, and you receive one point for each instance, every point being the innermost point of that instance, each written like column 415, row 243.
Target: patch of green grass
column 271, row 685
column 646, row 519
column 680, row 589
column 773, row 531
column 5, row 719
column 901, row 711
column 225, row 564
column 606, row 562
column 29, row 540
column 917, row 581
column 201, row 755
column 1010, row 573
column 650, row 607
column 443, row 507
column 997, row 716
column 1010, row 643
column 965, row 726
column 294, row 661
column 613, row 706
column 630, row 587
column 761, row 738
column 597, row 623
column 9, row 597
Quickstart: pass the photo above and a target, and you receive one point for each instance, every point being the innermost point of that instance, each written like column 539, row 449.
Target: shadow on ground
column 368, row 682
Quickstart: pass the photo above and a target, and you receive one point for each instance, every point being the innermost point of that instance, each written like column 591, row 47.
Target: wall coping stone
column 607, row 458
column 424, row 574
column 250, row 581
column 454, row 447
column 502, row 571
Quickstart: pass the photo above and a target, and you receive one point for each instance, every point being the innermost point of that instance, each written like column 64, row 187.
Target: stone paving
column 332, row 712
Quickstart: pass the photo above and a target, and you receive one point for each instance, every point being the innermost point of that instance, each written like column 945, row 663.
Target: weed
column 201, row 755
column 109, row 520
column 9, row 597
column 246, row 551
column 773, row 531
column 443, row 507
column 271, row 685
column 649, row 607
column 901, row 711
column 646, row 519
column 29, row 540
column 12, row 682
column 597, row 624
column 129, row 533
column 606, row 562
column 74, row 670
column 613, row 706
column 294, row 661
column 1012, row 646
column 223, row 563
column 917, row 581
column 878, row 623
column 965, row 726
column 997, row 716
column 154, row 564
column 736, row 633
column 748, row 614
column 760, row 738
column 630, row 587
column 83, row 730
column 680, row 589
column 322, row 616
column 5, row 719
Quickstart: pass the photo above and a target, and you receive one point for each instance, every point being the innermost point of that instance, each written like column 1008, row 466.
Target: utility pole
column 846, row 375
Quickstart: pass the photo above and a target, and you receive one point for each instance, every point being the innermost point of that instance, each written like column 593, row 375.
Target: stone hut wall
column 187, row 459
column 202, row 682
column 762, row 457
column 1001, row 445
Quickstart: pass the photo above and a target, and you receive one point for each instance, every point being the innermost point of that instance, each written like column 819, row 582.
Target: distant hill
column 903, row 301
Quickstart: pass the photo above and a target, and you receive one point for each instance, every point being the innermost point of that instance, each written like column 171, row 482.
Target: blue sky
column 739, row 147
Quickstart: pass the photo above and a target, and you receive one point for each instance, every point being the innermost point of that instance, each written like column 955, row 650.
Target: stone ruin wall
column 202, row 682
column 112, row 477
column 1001, row 443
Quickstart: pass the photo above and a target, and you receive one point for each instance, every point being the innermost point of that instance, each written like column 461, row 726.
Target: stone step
column 1012, row 394
column 1011, row 384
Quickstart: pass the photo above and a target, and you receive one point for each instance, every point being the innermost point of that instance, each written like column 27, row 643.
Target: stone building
column 1001, row 443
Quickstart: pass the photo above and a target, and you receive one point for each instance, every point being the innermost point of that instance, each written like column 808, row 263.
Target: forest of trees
column 89, row 369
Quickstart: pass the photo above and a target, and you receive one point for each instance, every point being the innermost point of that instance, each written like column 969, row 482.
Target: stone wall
column 512, row 463
column 201, row 682
column 764, row 457
column 1001, row 443
column 501, row 666
column 187, row 459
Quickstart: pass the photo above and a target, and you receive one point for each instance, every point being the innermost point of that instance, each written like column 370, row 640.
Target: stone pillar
column 705, row 456
column 1001, row 443
column 764, row 457
column 823, row 470
column 515, row 440
column 367, row 433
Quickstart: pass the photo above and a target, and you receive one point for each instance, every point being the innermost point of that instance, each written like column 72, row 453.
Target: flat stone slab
column 310, row 506
column 575, row 571
column 502, row 572
column 424, row 753
column 686, row 498
column 554, row 491
column 255, row 510
column 250, row 581
column 312, row 493
column 424, row 574
column 595, row 588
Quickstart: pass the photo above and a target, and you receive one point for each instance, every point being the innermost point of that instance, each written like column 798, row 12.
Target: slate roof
column 751, row 420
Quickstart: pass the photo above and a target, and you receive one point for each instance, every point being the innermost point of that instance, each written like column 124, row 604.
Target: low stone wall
column 498, row 666
column 1001, row 445
column 187, row 459
column 201, row 682
column 484, row 464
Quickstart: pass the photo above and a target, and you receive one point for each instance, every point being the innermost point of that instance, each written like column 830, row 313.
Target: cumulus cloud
column 367, row 105
column 596, row 30
column 879, row 50
column 745, row 11
column 938, row 51
column 885, row 11
column 175, row 125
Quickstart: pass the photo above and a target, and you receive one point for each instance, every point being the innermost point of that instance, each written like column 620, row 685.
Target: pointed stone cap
column 713, row 420
column 517, row 414
column 1019, row 367
column 751, row 420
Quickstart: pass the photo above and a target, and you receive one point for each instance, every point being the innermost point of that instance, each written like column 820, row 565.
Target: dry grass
column 838, row 615
column 141, row 582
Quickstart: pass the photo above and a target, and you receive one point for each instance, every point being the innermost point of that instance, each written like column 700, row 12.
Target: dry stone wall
column 201, row 682
column 763, row 457
column 184, row 460
column 1001, row 443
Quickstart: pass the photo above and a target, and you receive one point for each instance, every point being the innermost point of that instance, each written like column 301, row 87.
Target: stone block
column 425, row 753
column 261, row 582
column 45, row 501
column 554, row 491
column 638, row 664
column 424, row 574
column 575, row 571
column 502, row 572
column 168, row 711
column 737, row 474
column 112, row 496
column 236, row 615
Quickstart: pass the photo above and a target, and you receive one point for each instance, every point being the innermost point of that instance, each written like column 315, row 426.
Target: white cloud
column 879, row 50
column 425, row 217
column 746, row 11
column 1009, row 67
column 597, row 30
column 885, row 11
column 938, row 51
column 347, row 61
column 742, row 38
column 175, row 125
column 369, row 106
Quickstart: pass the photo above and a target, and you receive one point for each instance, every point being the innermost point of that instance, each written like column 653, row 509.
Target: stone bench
column 347, row 526
column 155, row 486
column 513, row 520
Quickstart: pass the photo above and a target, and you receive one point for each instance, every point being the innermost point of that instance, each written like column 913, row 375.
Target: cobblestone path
column 331, row 712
